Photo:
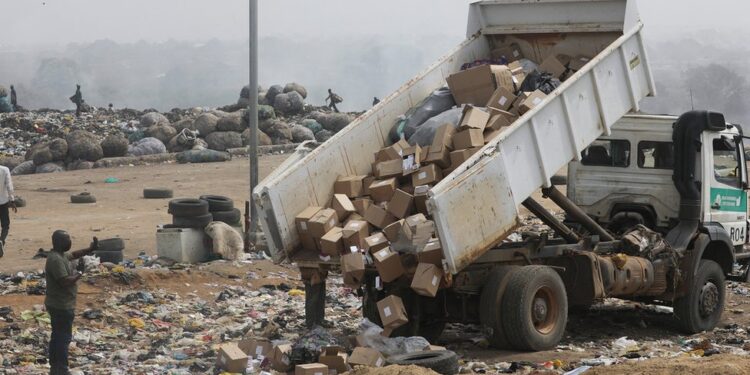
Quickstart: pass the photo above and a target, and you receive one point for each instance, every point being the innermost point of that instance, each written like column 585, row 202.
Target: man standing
column 61, row 297
column 77, row 98
column 13, row 98
column 7, row 203
column 334, row 99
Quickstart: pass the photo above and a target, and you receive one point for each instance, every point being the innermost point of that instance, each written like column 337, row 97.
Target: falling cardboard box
column 362, row 356
column 468, row 139
column 351, row 186
column 343, row 206
column 401, row 204
column 376, row 242
column 476, row 85
column 311, row 369
column 532, row 101
column 432, row 253
column 429, row 174
column 281, row 358
column 553, row 66
column 382, row 191
column 378, row 216
column 502, row 99
column 392, row 312
column 302, row 220
column 392, row 231
column 322, row 222
column 335, row 358
column 231, row 358
column 388, row 264
column 426, row 281
column 473, row 118
column 353, row 268
column 354, row 234
column 333, row 242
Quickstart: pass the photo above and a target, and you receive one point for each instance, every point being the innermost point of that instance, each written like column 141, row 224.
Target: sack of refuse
column 389, row 346
column 307, row 348
column 426, row 132
column 203, row 156
column 544, row 82
column 147, row 146
column 438, row 102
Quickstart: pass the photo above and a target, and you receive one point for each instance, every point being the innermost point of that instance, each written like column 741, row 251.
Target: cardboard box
column 564, row 59
column 401, row 204
column 303, row 217
column 376, row 242
column 411, row 159
column 434, row 348
column 362, row 356
column 432, row 253
column 502, row 99
column 511, row 117
column 553, row 66
column 391, row 232
column 322, row 222
column 473, row 118
column 309, row 243
column 386, row 169
column 382, row 191
column 361, row 204
column 497, row 122
column 535, row 99
column 426, row 281
column 420, row 198
column 442, row 159
column 392, row 152
column 468, row 139
column 343, row 206
column 414, row 237
column 429, row 174
column 335, row 358
column 311, row 369
column 366, row 185
column 333, row 242
column 503, row 77
column 378, row 217
column 423, row 155
column 351, row 186
column 578, row 62
column 354, row 234
column 281, row 358
column 443, row 139
column 256, row 347
column 518, row 79
column 509, row 53
column 353, row 268
column 388, row 264
column 472, row 86
column 231, row 358
column 515, row 67
column 353, row 217
column 392, row 312
column 490, row 135
column 460, row 156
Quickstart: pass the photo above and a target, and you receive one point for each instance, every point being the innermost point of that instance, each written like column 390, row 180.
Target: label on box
column 354, row 249
column 379, row 362
column 408, row 163
column 516, row 53
column 502, row 100
column 422, row 175
column 332, row 222
column 435, row 280
column 387, row 311
column 356, row 224
column 378, row 283
column 318, row 373
column 303, row 225
column 515, row 80
column 324, row 258
column 536, row 101
column 383, row 253
column 584, row 59
column 259, row 355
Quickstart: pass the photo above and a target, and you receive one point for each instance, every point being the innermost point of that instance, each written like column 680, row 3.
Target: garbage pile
column 47, row 141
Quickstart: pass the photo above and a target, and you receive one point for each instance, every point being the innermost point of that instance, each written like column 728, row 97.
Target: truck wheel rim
column 544, row 310
column 709, row 299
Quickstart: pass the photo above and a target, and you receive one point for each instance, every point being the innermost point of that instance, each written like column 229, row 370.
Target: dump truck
column 521, row 290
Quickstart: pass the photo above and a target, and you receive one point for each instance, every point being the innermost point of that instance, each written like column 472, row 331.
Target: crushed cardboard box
column 378, row 216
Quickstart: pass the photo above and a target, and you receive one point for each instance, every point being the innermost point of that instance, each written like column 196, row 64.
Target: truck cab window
column 726, row 162
column 655, row 155
column 607, row 153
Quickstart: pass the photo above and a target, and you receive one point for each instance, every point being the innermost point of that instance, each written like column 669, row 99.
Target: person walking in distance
column 13, row 98
column 7, row 203
column 333, row 99
column 60, row 300
column 77, row 98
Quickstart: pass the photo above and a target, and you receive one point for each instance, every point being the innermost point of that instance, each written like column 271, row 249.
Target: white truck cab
column 625, row 178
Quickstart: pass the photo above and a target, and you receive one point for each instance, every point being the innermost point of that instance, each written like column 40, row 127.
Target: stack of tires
column 222, row 209
column 110, row 250
column 189, row 213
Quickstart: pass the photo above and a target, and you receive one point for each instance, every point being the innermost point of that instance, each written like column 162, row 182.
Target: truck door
column 728, row 200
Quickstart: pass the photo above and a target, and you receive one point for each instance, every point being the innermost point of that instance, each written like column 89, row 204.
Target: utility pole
column 252, row 112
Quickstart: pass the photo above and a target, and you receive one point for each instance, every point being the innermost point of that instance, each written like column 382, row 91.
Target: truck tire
column 534, row 308
column 218, row 203
column 230, row 217
column 193, row 221
column 441, row 361
column 114, row 257
column 82, row 198
column 157, row 193
column 111, row 244
column 701, row 308
column 188, row 207
column 489, row 304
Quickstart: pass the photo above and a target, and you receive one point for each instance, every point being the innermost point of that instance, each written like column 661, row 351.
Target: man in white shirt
column 7, row 202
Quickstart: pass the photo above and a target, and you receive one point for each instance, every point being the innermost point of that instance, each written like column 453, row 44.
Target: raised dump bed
column 477, row 205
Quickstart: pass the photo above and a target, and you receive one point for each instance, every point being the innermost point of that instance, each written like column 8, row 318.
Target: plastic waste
column 438, row 102
column 371, row 334
column 426, row 132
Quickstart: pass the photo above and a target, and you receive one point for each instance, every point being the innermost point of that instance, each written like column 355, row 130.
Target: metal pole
column 576, row 213
column 548, row 218
column 252, row 111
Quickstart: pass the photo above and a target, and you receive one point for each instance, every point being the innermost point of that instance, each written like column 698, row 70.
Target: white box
column 183, row 245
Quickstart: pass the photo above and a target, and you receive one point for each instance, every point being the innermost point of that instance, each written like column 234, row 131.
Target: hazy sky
column 48, row 22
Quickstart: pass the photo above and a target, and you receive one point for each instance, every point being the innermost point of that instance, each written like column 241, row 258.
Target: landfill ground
column 148, row 318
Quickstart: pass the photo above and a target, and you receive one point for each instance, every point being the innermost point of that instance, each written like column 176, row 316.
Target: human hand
column 94, row 245
column 12, row 205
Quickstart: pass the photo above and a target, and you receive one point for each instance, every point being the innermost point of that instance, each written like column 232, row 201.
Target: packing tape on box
column 387, row 311
column 303, row 225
